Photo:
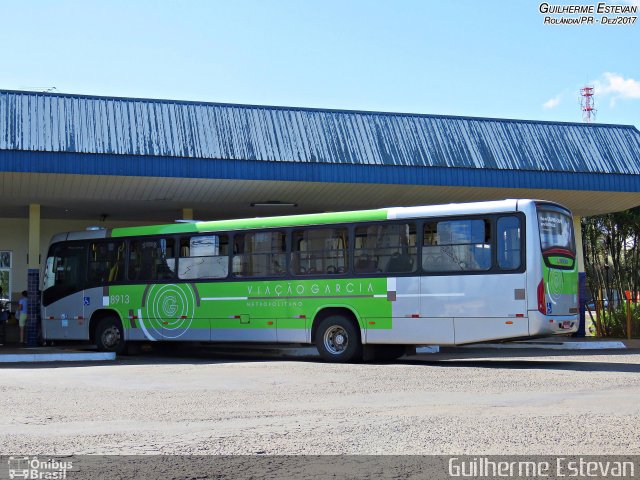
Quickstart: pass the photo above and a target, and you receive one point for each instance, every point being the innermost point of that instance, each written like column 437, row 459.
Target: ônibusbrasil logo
column 34, row 468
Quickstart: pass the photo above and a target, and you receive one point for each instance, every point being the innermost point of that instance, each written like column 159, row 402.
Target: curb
column 612, row 345
column 304, row 352
column 57, row 357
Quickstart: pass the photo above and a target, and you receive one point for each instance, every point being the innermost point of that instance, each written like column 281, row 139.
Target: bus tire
column 338, row 340
column 110, row 336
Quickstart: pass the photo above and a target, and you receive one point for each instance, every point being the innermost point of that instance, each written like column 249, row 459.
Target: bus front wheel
column 110, row 336
column 338, row 340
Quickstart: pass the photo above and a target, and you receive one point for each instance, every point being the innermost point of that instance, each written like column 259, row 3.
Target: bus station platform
column 564, row 343
column 17, row 354
column 79, row 352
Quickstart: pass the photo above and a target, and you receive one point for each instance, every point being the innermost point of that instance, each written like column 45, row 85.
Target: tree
column 612, row 263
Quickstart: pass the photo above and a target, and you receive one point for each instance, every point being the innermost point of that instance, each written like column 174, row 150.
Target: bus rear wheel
column 110, row 336
column 338, row 340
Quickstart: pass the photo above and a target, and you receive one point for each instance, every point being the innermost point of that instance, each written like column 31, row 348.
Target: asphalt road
column 454, row 402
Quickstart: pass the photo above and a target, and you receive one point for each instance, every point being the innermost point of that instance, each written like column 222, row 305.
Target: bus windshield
column 556, row 229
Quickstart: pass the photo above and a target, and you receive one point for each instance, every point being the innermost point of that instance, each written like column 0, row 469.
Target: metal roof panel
column 50, row 122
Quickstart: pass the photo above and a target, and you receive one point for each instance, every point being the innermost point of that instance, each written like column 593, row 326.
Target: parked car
column 592, row 306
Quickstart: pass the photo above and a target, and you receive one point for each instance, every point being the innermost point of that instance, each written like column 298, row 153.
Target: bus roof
column 328, row 218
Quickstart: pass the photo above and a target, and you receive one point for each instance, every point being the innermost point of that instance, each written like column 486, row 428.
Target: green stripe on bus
column 251, row 304
column 253, row 223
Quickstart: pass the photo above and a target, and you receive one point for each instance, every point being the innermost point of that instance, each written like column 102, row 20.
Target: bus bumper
column 540, row 324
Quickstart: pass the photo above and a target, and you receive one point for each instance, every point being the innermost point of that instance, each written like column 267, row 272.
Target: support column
column 187, row 213
column 33, row 277
column 582, row 277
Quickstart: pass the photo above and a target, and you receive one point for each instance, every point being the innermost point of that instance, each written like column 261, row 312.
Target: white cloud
column 617, row 87
column 552, row 102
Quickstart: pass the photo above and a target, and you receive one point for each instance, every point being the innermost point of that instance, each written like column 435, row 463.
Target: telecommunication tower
column 587, row 104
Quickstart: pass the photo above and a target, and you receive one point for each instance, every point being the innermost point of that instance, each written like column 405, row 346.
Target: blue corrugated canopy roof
column 48, row 122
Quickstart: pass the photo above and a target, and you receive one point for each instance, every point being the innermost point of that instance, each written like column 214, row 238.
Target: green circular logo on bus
column 556, row 284
column 170, row 309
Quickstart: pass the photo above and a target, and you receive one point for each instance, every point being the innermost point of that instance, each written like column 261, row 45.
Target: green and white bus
column 348, row 282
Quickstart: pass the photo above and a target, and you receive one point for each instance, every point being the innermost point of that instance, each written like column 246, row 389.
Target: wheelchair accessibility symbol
column 87, row 301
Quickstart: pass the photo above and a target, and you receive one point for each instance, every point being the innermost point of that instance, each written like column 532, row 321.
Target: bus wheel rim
column 336, row 340
column 111, row 337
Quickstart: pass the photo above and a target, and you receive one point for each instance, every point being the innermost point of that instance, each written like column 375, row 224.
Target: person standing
column 22, row 315
column 3, row 319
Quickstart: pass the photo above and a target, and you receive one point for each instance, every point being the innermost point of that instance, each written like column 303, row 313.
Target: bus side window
column 508, row 232
column 457, row 246
column 260, row 254
column 106, row 263
column 116, row 270
column 387, row 248
column 97, row 269
column 319, row 251
column 238, row 264
column 204, row 256
column 152, row 259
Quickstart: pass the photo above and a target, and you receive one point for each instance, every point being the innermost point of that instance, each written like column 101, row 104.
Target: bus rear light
column 519, row 315
column 509, row 322
column 542, row 307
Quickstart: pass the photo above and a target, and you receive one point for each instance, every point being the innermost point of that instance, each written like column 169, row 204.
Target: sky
column 489, row 58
